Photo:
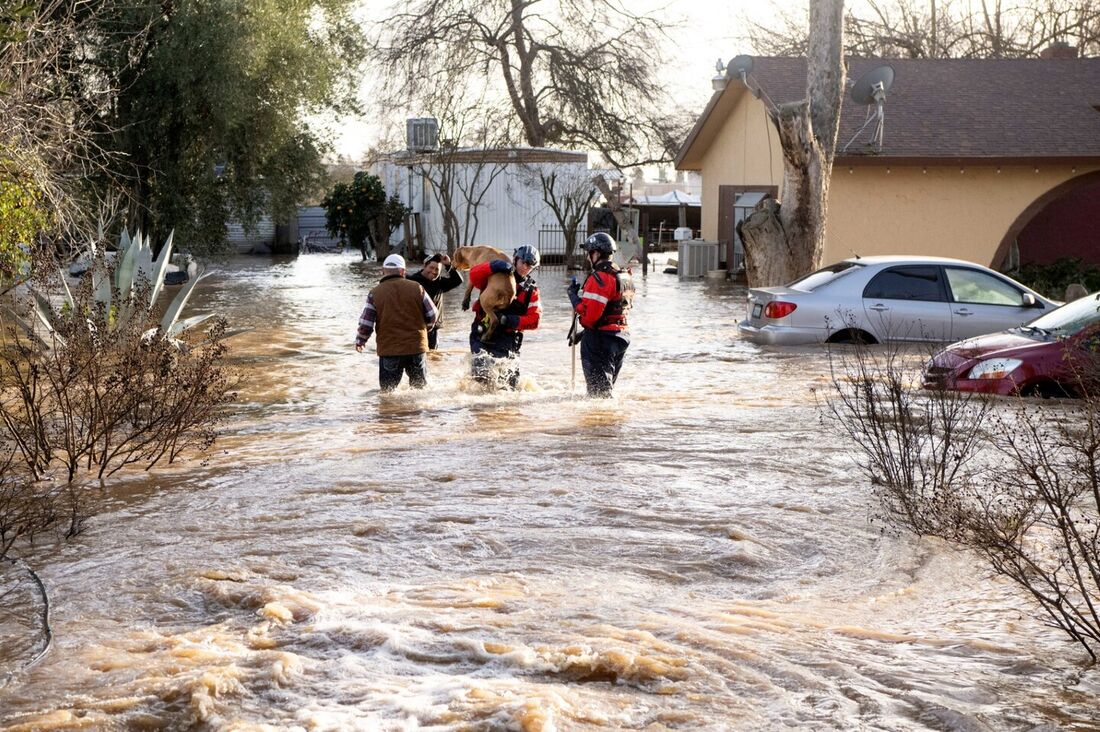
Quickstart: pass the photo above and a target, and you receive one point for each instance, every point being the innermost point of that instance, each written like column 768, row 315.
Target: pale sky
column 709, row 29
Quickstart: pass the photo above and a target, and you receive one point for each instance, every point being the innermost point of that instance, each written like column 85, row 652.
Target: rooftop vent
column 422, row 134
column 1059, row 49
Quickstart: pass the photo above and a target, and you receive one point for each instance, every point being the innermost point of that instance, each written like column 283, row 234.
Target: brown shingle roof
column 957, row 108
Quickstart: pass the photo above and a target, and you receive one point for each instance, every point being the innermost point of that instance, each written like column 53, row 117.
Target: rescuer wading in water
column 522, row 314
column 601, row 305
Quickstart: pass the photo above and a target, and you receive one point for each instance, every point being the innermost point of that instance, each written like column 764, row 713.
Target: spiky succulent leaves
column 101, row 283
column 68, row 294
column 45, row 313
column 174, row 310
column 29, row 329
column 124, row 272
column 181, row 325
column 143, row 266
column 160, row 267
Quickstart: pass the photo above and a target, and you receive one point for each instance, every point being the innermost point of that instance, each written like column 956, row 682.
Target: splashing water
column 694, row 553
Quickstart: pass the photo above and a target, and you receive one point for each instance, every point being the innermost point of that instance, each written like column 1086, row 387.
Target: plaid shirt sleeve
column 430, row 313
column 366, row 322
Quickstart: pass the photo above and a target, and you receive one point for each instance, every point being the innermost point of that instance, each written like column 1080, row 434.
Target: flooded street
column 696, row 553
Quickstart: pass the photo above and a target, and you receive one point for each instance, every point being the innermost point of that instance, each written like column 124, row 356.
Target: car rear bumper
column 780, row 335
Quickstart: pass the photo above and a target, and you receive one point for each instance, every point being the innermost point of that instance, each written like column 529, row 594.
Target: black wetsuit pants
column 602, row 354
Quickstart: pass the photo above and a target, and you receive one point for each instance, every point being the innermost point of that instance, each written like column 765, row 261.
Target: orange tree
column 360, row 213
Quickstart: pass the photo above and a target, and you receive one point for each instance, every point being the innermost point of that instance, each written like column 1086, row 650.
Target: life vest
column 619, row 300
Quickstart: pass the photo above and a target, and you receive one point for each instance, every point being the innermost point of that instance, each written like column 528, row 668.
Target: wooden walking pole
column 573, row 377
column 573, row 348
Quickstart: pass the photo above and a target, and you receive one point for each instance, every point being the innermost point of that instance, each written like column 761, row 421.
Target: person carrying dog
column 602, row 304
column 436, row 277
column 401, row 312
column 521, row 315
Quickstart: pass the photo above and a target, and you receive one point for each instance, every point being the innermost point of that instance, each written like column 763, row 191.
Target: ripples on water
column 695, row 553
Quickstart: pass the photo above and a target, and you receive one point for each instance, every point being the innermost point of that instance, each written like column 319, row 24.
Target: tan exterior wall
column 740, row 155
column 961, row 211
column 957, row 211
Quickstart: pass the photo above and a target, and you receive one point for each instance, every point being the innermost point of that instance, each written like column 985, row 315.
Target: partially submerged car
column 1057, row 354
column 877, row 299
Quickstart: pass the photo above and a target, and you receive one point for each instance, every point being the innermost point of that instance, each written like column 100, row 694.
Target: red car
column 1057, row 354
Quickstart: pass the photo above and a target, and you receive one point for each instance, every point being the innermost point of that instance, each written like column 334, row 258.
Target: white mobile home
column 496, row 194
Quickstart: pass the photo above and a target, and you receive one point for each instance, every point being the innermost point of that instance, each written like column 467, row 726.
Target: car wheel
column 853, row 336
column 1046, row 390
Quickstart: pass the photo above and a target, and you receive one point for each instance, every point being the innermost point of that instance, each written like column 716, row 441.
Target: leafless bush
column 113, row 395
column 1015, row 482
column 100, row 390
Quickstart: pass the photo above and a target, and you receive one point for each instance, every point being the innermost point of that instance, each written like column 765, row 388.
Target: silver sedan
column 876, row 299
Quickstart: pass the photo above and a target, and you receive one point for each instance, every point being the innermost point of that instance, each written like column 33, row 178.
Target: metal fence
column 552, row 244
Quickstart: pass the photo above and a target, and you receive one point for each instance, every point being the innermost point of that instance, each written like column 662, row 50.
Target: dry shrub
column 97, row 390
column 1015, row 481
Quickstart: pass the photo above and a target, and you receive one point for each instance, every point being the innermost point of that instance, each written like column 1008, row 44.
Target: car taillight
column 777, row 309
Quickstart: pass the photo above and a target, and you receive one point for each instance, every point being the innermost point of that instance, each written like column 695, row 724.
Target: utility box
column 697, row 258
column 682, row 233
column 422, row 134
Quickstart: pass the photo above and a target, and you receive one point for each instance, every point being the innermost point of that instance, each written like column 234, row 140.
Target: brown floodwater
column 697, row 553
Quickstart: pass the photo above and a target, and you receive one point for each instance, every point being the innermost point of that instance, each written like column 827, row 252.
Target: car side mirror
column 1030, row 301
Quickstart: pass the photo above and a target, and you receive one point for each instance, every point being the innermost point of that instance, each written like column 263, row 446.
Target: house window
column 425, row 193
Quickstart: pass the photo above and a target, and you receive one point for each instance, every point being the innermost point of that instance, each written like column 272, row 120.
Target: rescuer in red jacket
column 602, row 304
column 496, row 361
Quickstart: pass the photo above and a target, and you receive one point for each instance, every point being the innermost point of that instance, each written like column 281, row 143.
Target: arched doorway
column 1063, row 222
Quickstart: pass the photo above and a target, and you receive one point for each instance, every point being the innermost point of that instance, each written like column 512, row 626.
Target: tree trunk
column 785, row 242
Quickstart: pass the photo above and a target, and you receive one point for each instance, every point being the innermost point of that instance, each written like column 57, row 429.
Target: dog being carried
column 499, row 290
column 495, row 340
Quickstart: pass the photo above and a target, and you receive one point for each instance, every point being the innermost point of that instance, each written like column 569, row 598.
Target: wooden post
column 617, row 211
column 419, row 238
column 645, row 257
column 408, row 235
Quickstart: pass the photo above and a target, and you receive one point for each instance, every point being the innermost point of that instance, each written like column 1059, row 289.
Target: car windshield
column 811, row 282
column 1070, row 318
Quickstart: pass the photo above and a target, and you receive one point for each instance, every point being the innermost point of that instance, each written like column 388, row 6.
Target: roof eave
column 682, row 161
column 941, row 160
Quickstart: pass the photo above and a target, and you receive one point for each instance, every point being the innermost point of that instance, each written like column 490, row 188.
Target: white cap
column 395, row 261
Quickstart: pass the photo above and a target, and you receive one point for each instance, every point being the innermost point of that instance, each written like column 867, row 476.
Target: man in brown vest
column 401, row 312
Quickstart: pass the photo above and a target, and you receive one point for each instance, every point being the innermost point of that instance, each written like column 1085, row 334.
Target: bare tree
column 942, row 29
column 575, row 73
column 1016, row 484
column 783, row 242
column 567, row 192
column 463, row 168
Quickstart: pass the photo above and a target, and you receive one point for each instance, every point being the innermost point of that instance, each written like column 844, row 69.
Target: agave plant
column 118, row 291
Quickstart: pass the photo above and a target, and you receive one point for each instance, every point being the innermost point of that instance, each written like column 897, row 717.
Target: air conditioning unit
column 422, row 134
column 696, row 258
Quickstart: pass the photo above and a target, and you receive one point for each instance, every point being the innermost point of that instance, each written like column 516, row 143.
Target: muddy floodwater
column 697, row 553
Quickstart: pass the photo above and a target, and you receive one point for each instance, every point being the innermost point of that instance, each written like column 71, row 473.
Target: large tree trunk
column 785, row 242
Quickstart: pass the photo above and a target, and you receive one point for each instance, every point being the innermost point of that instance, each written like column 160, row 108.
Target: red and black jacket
column 526, row 305
column 605, row 298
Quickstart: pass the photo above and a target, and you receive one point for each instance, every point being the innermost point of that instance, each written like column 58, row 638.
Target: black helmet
column 528, row 254
column 599, row 242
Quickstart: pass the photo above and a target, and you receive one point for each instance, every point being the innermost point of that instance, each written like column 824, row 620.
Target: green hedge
column 1052, row 279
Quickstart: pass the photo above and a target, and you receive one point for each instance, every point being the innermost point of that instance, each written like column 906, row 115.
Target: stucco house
column 976, row 155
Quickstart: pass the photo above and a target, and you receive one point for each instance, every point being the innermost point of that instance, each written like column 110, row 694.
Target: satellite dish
column 740, row 66
column 870, row 89
column 874, row 84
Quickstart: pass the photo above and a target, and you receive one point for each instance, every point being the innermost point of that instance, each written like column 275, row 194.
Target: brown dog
column 499, row 292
